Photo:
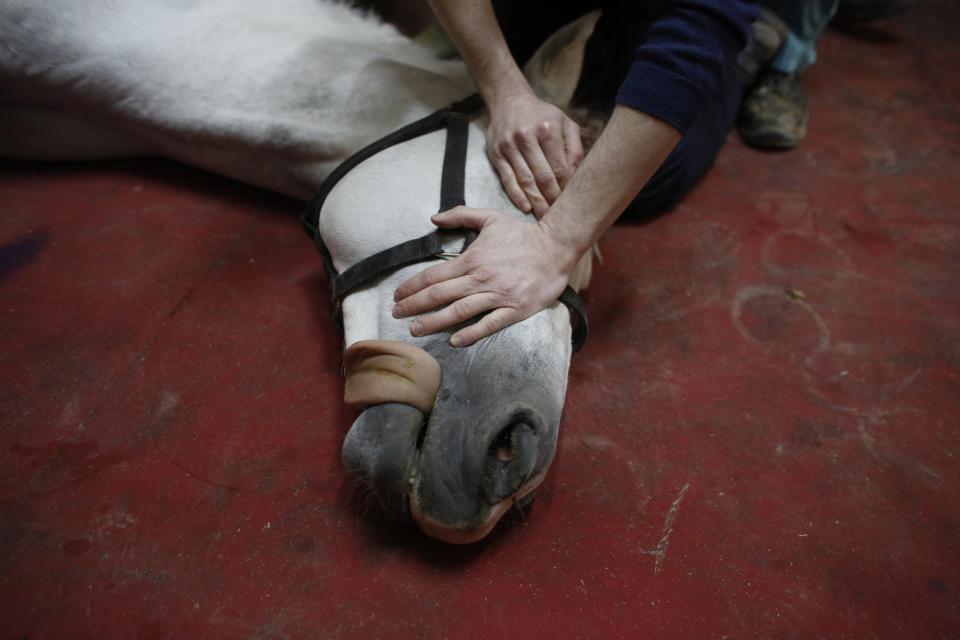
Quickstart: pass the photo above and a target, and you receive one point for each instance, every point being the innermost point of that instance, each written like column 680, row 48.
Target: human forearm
column 533, row 145
column 630, row 149
column 472, row 25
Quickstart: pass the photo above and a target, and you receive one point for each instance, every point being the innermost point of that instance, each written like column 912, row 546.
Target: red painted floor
column 736, row 461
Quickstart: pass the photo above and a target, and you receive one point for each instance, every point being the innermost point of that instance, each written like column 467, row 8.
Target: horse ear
column 554, row 69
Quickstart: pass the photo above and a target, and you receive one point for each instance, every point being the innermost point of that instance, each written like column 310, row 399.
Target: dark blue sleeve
column 687, row 49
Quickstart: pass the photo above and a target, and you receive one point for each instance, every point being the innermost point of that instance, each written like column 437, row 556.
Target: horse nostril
column 503, row 446
column 510, row 460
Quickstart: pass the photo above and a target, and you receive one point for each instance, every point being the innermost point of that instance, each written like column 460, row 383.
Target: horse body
column 276, row 95
column 273, row 94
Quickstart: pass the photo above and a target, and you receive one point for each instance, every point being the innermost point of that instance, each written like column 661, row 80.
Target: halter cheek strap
column 381, row 371
column 456, row 120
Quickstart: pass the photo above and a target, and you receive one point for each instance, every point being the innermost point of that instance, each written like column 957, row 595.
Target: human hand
column 534, row 147
column 512, row 270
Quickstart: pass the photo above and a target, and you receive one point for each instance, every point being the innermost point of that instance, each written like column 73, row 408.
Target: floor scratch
column 192, row 474
column 660, row 552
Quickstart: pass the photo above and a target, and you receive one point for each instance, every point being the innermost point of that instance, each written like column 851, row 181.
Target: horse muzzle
column 453, row 468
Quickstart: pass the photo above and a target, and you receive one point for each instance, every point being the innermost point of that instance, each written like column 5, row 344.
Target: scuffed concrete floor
column 761, row 438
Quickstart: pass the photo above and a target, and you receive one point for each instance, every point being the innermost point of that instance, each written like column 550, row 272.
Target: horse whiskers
column 359, row 488
column 364, row 497
column 516, row 507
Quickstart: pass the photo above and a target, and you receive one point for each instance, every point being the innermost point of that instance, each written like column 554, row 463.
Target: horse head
column 449, row 438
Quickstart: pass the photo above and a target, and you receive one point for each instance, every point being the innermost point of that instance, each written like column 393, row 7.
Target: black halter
column 456, row 119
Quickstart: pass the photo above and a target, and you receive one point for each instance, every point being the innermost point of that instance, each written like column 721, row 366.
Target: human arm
column 515, row 268
column 532, row 144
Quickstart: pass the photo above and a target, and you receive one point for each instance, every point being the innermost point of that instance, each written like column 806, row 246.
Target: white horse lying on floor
column 276, row 95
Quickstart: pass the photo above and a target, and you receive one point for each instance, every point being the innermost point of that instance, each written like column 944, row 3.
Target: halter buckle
column 446, row 255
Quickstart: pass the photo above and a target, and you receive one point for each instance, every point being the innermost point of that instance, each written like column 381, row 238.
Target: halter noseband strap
column 456, row 119
column 381, row 371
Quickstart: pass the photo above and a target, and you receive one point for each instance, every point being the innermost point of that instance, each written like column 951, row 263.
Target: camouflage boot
column 774, row 112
